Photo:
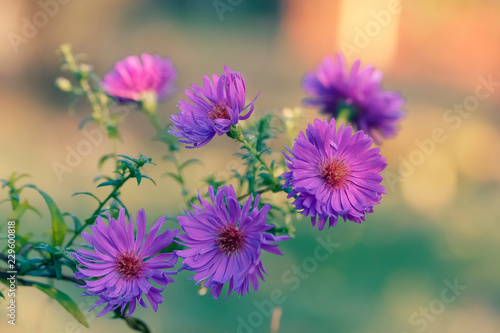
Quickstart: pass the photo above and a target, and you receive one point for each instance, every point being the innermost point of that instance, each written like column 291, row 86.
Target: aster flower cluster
column 335, row 89
column 333, row 172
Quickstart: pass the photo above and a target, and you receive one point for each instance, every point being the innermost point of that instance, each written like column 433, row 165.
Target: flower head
column 334, row 173
column 334, row 88
column 212, row 109
column 138, row 79
column 225, row 242
column 122, row 266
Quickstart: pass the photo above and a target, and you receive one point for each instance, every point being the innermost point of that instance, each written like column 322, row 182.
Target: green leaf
column 103, row 159
column 135, row 323
column 33, row 209
column 1, row 295
column 64, row 300
column 108, row 183
column 135, row 160
column 122, row 204
column 89, row 194
column 147, row 177
column 57, row 268
column 175, row 177
column 76, row 221
column 45, row 247
column 15, row 177
column 19, row 211
column 99, row 177
column 189, row 162
column 58, row 224
column 85, row 121
column 169, row 157
column 5, row 182
column 112, row 132
column 129, row 165
column 5, row 281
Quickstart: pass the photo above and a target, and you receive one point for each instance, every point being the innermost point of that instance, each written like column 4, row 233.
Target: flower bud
column 63, row 84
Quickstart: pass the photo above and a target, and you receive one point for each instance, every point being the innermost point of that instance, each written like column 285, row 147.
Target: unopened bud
column 63, row 84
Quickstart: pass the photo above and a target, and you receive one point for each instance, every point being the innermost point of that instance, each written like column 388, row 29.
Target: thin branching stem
column 91, row 219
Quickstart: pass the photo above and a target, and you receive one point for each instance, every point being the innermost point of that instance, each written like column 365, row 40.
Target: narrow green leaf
column 108, row 183
column 103, row 159
column 169, row 157
column 121, row 204
column 89, row 194
column 45, row 247
column 58, row 224
column 75, row 219
column 1, row 295
column 23, row 175
column 129, row 164
column 5, row 281
column 33, row 209
column 147, row 177
column 135, row 160
column 99, row 177
column 174, row 176
column 189, row 162
column 57, row 268
column 12, row 178
column 138, row 178
column 84, row 122
column 64, row 300
column 19, row 211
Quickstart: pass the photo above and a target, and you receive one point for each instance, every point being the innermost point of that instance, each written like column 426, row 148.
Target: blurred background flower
column 439, row 219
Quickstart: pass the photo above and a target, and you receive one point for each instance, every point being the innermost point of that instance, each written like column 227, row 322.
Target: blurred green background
column 439, row 220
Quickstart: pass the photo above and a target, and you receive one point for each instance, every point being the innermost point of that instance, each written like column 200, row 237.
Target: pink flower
column 135, row 79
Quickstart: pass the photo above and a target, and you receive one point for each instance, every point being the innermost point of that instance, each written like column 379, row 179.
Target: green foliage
column 126, row 168
column 259, row 176
column 18, row 207
column 88, row 194
column 43, row 260
column 58, row 224
column 87, row 85
column 63, row 299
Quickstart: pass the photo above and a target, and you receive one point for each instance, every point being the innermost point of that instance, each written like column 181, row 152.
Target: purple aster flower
column 213, row 109
column 122, row 266
column 136, row 79
column 225, row 242
column 333, row 88
column 334, row 173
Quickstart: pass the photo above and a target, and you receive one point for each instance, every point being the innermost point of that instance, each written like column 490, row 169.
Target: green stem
column 134, row 323
column 91, row 219
column 237, row 134
column 264, row 190
column 81, row 73
column 346, row 113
